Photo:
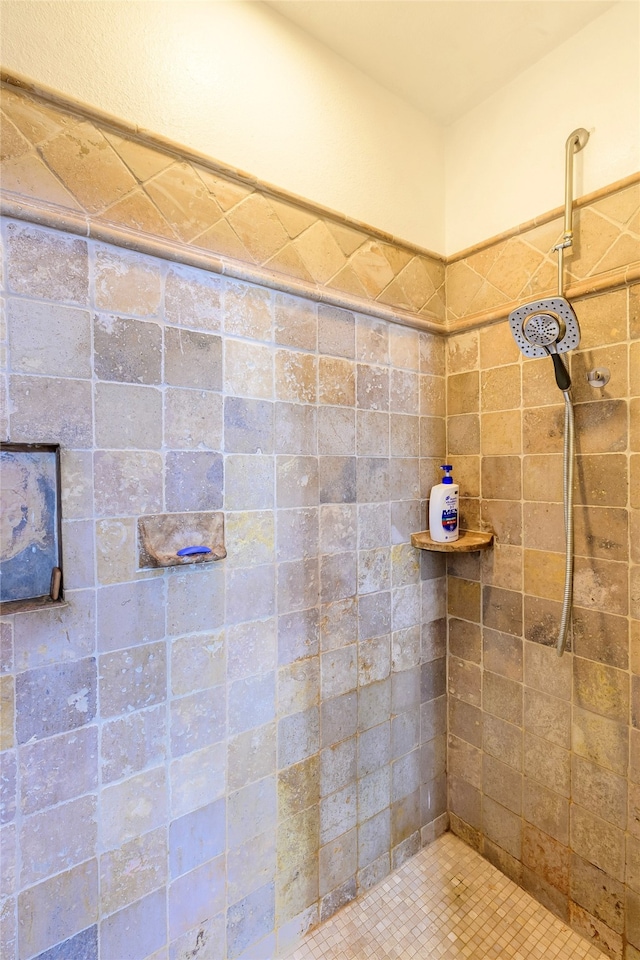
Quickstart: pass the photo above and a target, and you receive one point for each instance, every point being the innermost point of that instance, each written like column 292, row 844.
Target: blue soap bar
column 189, row 551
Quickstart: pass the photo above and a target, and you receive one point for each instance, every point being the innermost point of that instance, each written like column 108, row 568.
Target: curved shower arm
column 576, row 140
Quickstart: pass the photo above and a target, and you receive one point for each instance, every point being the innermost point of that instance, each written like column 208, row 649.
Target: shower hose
column 567, row 483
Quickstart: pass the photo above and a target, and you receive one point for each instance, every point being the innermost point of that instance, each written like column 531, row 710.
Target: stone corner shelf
column 469, row 541
column 162, row 535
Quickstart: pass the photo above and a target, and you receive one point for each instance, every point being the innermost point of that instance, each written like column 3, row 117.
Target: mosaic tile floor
column 446, row 903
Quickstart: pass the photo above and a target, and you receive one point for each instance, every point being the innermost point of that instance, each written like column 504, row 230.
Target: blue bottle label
column 449, row 520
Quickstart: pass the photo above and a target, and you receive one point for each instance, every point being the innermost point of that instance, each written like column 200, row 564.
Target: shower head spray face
column 544, row 329
column 545, row 326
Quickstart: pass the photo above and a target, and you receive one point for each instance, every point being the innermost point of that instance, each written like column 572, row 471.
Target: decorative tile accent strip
column 69, row 166
column 68, row 161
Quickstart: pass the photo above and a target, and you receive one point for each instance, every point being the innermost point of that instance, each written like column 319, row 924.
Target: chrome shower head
column 546, row 328
column 538, row 324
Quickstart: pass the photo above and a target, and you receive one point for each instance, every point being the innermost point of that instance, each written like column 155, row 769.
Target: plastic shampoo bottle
column 443, row 508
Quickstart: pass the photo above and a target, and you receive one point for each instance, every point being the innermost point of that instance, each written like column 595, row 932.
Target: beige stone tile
column 404, row 394
column 126, row 283
column 543, row 429
column 127, row 416
column 432, row 444
column 467, row 476
column 133, row 870
column 116, row 550
column 597, row 893
column 180, row 195
column 296, row 376
column 372, row 268
column 464, row 599
column 500, row 388
column 465, row 802
column 601, row 688
column 634, row 368
column 544, row 671
column 504, row 518
column 46, row 338
column 600, row 739
column 501, row 433
column 548, row 764
column 502, row 740
column 502, row 654
column 602, row 792
column 142, row 160
column 28, row 176
column 7, row 712
column 319, row 251
column 497, row 346
column 463, row 393
column 546, row 810
column 432, row 354
column 613, row 356
column 137, row 212
column 248, row 311
column 502, row 609
column 603, row 319
column 502, row 827
column 546, row 857
column 464, row 762
column 404, row 347
column 463, row 434
column 296, row 322
column 602, row 427
column 542, row 477
column 465, row 681
column 222, row 239
column 46, row 264
column 192, row 419
column 462, row 352
column 502, row 783
column 601, row 532
column 515, row 265
column 258, row 226
column 193, row 298
column 88, row 166
column 465, row 640
column 539, row 387
column 465, row 722
column 601, row 585
column 463, row 284
column 418, row 285
column 601, row 636
column 598, row 842
column 544, row 574
column 248, row 369
column 501, row 478
column 502, row 697
column 336, row 381
column 547, row 717
column 596, row 235
column 543, row 526
column 596, row 932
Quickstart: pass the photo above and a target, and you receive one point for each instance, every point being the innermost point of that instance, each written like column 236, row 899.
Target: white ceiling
column 443, row 56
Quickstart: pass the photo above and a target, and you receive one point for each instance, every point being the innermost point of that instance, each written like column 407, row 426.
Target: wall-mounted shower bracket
column 598, row 377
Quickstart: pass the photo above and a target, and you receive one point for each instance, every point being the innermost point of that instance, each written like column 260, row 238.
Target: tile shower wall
column 205, row 761
column 544, row 753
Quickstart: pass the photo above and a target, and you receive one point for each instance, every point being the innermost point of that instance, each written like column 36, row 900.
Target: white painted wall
column 244, row 85
column 504, row 160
